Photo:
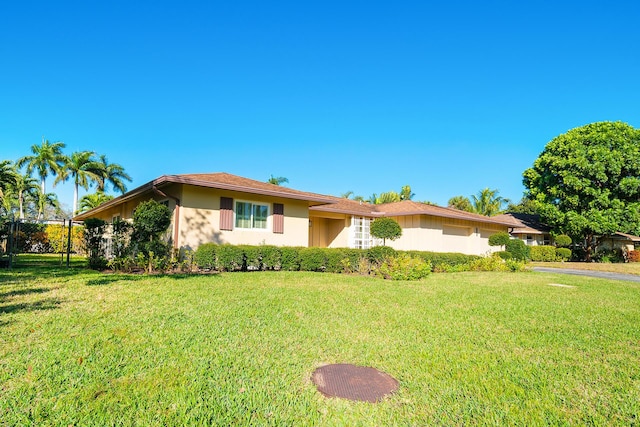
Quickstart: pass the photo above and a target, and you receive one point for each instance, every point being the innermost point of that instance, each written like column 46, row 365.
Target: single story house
column 528, row 228
column 225, row 208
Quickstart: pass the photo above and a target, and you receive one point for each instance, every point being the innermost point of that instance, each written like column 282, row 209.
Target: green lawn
column 90, row 349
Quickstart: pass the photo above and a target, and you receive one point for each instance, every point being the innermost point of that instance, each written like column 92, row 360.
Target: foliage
column 94, row 230
column 150, row 220
column 517, row 249
column 487, row 202
column 461, row 203
column 277, row 180
column 46, row 158
column 252, row 258
column 499, row 239
column 525, row 206
column 230, row 258
column 609, row 255
column 313, row 259
column 91, row 201
column 543, row 253
column 83, row 169
column 378, row 254
column 562, row 241
column 290, row 258
column 634, row 256
column 563, row 254
column 58, row 238
column 111, row 173
column 271, row 257
column 385, row 228
column 403, row 267
column 587, row 182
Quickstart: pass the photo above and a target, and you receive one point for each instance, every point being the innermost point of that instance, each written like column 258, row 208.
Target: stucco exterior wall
column 329, row 231
column 200, row 220
column 435, row 234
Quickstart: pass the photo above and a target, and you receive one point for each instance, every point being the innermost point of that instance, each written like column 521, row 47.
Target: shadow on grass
column 27, row 291
column 45, row 304
column 107, row 279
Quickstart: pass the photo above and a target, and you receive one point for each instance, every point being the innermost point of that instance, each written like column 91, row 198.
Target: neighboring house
column 528, row 228
column 224, row 208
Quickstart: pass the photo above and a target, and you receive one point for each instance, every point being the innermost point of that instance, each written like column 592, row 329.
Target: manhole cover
column 353, row 382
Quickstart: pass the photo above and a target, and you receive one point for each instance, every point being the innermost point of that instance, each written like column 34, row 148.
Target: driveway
column 599, row 274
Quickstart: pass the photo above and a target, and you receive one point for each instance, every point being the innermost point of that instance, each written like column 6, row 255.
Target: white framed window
column 251, row 215
column 360, row 236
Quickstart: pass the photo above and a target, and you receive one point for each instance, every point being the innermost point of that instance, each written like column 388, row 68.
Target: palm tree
column 26, row 187
column 487, row 202
column 114, row 174
column 84, row 169
column 47, row 158
column 277, row 180
column 461, row 203
column 7, row 176
column 44, row 200
column 405, row 193
column 90, row 201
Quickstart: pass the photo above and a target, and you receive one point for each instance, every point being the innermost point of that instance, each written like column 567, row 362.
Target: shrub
column 564, row 254
column 290, row 258
column 334, row 257
column 94, row 230
column 499, row 239
column 504, row 255
column 252, row 258
column 312, row 259
column 489, row 263
column 518, row 249
column 230, row 258
column 271, row 257
column 385, row 228
column 634, row 256
column 205, row 256
column 563, row 241
column 378, row 254
column 543, row 253
column 403, row 267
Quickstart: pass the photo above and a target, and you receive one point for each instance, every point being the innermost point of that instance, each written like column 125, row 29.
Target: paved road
column 600, row 274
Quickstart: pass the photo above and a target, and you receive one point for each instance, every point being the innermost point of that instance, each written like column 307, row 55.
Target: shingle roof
column 525, row 223
column 403, row 208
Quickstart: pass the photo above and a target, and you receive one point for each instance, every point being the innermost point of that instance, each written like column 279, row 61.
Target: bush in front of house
column 313, row 259
column 543, row 253
column 563, row 254
column 499, row 239
column 378, row 254
column 518, row 249
column 563, row 241
column 403, row 267
column 230, row 258
column 271, row 257
column 205, row 256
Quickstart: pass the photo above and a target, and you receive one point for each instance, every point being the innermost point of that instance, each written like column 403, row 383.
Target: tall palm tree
column 277, row 180
column 488, row 203
column 112, row 173
column 83, row 168
column 45, row 200
column 90, row 201
column 47, row 158
column 26, row 187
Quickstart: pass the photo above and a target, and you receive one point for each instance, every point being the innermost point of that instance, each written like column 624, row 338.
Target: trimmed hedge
column 564, row 254
column 211, row 256
column 543, row 253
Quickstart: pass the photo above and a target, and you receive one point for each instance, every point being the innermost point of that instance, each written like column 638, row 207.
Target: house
column 225, row 208
column 528, row 228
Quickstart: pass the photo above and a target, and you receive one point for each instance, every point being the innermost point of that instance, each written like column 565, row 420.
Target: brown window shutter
column 278, row 218
column 226, row 213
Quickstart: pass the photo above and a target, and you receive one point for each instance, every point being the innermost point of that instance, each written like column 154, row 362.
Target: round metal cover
column 353, row 382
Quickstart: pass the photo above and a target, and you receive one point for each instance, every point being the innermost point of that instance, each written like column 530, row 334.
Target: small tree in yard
column 499, row 239
column 385, row 228
column 150, row 220
column 94, row 230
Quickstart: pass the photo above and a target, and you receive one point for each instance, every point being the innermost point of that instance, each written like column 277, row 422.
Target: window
column 251, row 215
column 360, row 234
column 530, row 241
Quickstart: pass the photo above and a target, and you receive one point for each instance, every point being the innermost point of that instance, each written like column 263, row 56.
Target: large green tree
column 586, row 182
column 487, row 202
column 112, row 173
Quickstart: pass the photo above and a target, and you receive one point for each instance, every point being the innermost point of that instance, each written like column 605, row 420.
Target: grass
column 624, row 268
column 92, row 349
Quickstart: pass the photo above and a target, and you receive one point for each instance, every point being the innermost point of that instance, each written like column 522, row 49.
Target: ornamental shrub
column 403, row 267
column 378, row 254
column 518, row 249
column 290, row 258
column 564, row 254
column 205, row 256
column 385, row 228
column 499, row 239
column 271, row 257
column 94, row 242
column 563, row 241
column 543, row 253
column 252, row 258
column 312, row 259
column 229, row 258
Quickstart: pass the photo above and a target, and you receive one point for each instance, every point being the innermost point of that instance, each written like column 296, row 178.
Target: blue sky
column 448, row 97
